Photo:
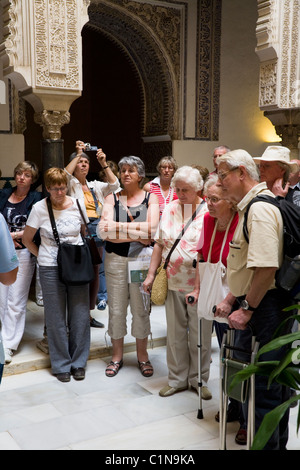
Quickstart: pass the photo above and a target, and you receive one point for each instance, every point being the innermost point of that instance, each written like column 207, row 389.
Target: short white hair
column 212, row 180
column 188, row 175
column 240, row 157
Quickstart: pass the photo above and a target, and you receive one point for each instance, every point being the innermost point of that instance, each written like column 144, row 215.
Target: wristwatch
column 245, row 305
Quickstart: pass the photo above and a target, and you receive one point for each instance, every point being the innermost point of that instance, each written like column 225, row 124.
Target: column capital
column 52, row 122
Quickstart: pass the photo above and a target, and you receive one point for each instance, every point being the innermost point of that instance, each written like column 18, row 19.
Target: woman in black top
column 128, row 223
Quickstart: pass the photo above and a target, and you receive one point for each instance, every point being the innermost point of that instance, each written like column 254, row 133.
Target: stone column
column 41, row 52
column 52, row 144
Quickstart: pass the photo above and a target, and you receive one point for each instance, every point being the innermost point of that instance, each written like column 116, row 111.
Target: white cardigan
column 100, row 188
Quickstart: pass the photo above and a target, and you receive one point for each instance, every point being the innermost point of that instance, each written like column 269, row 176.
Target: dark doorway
column 108, row 114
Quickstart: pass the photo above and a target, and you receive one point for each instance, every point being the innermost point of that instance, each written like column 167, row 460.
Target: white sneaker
column 40, row 302
column 8, row 355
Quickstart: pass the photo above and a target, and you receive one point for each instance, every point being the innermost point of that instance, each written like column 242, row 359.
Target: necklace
column 222, row 227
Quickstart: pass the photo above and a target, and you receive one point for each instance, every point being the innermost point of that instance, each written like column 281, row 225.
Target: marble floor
column 125, row 413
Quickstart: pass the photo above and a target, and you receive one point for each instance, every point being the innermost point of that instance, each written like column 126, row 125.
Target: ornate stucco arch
column 278, row 48
column 149, row 36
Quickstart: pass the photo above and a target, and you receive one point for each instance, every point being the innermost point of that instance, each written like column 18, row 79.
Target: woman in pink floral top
column 182, row 319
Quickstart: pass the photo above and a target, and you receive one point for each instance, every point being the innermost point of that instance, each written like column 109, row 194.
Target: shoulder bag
column 213, row 282
column 74, row 261
column 159, row 289
column 89, row 239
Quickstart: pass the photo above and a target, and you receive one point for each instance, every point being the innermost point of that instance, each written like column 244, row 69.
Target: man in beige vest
column 254, row 303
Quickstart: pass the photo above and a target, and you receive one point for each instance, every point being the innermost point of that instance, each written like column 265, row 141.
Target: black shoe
column 64, row 377
column 96, row 324
column 78, row 373
column 232, row 415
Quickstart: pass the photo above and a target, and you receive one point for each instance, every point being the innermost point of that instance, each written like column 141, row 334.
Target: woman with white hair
column 182, row 320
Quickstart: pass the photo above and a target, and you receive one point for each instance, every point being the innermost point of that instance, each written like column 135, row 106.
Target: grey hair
column 222, row 147
column 287, row 170
column 211, row 181
column 133, row 161
column 189, row 175
column 240, row 157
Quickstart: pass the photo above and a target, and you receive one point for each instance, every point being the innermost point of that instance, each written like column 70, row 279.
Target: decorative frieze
column 278, row 48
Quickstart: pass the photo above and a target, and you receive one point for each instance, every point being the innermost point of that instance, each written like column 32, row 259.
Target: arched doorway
column 108, row 114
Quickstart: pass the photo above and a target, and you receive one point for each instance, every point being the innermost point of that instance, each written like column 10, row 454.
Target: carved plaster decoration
column 52, row 122
column 41, row 48
column 208, row 74
column 150, row 37
column 278, row 48
column 268, row 81
column 153, row 36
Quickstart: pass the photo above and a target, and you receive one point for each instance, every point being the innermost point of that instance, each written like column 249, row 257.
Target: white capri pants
column 121, row 294
column 13, row 301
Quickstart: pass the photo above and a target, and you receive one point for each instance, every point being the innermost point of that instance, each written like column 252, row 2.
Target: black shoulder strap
column 262, row 198
column 52, row 220
column 181, row 235
column 83, row 218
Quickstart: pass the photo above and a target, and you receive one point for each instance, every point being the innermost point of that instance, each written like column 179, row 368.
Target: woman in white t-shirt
column 66, row 307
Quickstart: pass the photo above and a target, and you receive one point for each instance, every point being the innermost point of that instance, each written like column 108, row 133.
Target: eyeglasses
column 222, row 174
column 213, row 199
column 61, row 189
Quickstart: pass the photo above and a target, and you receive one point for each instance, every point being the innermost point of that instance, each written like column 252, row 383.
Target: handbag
column 74, row 261
column 213, row 282
column 159, row 290
column 89, row 239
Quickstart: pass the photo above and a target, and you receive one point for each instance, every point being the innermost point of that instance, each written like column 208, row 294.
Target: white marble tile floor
column 37, row 412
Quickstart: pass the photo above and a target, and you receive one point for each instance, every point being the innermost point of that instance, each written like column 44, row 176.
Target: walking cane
column 200, row 412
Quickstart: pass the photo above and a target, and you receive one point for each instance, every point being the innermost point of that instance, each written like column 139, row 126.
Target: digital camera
column 90, row 148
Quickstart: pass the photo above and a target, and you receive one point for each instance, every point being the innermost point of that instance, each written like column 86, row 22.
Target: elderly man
column 218, row 152
column 275, row 168
column 254, row 302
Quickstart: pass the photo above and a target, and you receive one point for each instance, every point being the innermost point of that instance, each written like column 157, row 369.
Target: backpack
column 288, row 275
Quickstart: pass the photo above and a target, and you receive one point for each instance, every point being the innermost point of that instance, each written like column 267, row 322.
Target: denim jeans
column 263, row 324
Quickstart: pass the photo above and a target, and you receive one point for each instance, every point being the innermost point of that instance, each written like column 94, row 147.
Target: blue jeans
column 67, row 317
column 264, row 322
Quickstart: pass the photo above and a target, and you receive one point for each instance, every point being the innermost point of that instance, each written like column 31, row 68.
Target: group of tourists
column 126, row 218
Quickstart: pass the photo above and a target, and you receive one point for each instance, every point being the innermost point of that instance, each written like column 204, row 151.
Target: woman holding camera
column 182, row 319
column 92, row 193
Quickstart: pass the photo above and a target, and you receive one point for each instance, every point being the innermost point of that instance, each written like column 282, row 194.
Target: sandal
column 146, row 368
column 113, row 368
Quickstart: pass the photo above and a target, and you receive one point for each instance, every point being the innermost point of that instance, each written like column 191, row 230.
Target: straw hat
column 276, row 153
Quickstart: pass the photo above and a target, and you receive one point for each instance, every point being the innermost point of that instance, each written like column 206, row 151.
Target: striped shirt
column 155, row 188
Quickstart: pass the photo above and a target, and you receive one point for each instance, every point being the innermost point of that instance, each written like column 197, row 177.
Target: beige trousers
column 182, row 342
column 120, row 294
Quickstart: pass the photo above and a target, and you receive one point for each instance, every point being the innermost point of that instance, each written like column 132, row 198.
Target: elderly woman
column 15, row 205
column 161, row 185
column 66, row 307
column 221, row 215
column 128, row 223
column 182, row 319
column 93, row 194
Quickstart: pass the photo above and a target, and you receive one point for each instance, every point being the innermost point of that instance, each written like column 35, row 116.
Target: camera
column 90, row 148
column 190, row 299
